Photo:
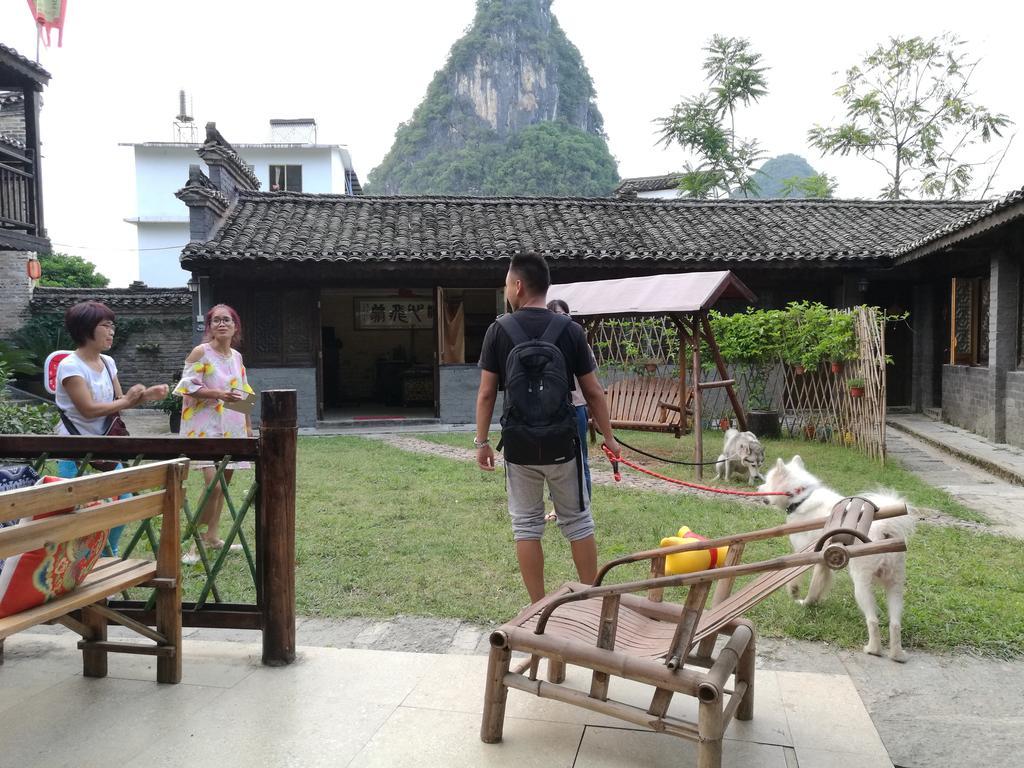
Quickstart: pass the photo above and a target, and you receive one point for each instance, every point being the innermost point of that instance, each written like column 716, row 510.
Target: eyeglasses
column 221, row 321
column 107, row 324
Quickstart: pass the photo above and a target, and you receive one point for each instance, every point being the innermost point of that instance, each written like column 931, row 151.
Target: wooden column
column 275, row 532
column 33, row 143
column 682, row 332
column 698, row 428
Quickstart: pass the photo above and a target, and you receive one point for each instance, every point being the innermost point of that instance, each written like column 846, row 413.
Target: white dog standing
column 742, row 452
column 808, row 499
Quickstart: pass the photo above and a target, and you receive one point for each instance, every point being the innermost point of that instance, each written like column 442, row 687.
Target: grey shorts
column 525, row 486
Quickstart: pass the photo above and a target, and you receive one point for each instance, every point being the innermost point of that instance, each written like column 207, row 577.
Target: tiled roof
column 1015, row 198
column 11, row 58
column 135, row 296
column 303, row 227
column 649, row 183
column 13, row 141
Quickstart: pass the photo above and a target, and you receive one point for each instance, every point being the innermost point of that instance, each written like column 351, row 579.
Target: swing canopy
column 654, row 295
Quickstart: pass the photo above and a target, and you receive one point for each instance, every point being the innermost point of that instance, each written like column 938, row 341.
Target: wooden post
column 168, row 569
column 94, row 661
column 698, row 427
column 681, row 330
column 275, row 533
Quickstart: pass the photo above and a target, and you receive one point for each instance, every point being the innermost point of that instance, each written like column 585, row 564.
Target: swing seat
column 646, row 404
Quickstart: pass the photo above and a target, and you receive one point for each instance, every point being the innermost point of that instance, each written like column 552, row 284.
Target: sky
column 360, row 68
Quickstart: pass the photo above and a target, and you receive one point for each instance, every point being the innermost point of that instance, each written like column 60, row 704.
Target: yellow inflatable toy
column 690, row 562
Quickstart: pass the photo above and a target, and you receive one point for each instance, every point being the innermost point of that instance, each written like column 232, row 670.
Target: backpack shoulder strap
column 555, row 329
column 513, row 329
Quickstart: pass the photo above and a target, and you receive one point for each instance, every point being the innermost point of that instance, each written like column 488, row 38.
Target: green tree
column 553, row 159
column 910, row 109
column 706, row 124
column 820, row 185
column 62, row 270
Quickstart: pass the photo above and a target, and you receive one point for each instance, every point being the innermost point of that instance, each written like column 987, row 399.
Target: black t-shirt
column 534, row 321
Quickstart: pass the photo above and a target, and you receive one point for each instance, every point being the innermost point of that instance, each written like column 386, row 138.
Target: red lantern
column 34, row 269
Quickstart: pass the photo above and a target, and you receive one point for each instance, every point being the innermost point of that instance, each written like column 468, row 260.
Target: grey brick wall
column 303, row 380
column 15, row 291
column 155, row 354
column 967, row 398
column 1014, row 408
column 459, row 385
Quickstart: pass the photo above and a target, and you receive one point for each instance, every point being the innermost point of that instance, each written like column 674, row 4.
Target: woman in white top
column 88, row 392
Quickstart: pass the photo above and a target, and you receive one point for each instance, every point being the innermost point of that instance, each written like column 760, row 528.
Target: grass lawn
column 381, row 531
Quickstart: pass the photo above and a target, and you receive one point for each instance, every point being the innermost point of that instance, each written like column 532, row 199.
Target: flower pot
column 764, row 423
column 856, row 391
column 724, row 423
column 809, row 431
column 799, row 369
column 837, row 366
column 175, row 422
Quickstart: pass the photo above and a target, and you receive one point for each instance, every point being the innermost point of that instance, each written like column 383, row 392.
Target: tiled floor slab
column 426, row 738
column 825, row 712
column 352, row 706
column 612, row 748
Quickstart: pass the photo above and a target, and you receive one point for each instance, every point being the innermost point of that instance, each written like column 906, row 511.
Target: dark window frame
column 290, row 174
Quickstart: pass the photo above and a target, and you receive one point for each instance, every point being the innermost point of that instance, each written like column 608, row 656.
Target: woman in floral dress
column 213, row 375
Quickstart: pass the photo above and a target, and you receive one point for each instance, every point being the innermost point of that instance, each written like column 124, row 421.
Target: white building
column 291, row 161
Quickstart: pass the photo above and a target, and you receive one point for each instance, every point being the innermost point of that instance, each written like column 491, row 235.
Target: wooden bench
column 157, row 490
column 645, row 403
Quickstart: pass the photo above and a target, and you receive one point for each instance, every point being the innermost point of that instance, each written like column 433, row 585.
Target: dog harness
column 799, row 496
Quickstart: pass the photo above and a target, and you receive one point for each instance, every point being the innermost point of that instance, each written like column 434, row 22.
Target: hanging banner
column 49, row 15
column 393, row 313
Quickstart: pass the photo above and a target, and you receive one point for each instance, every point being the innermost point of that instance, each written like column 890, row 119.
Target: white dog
column 742, row 451
column 809, row 499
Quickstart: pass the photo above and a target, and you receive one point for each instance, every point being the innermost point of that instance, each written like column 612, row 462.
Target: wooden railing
column 270, row 560
column 18, row 190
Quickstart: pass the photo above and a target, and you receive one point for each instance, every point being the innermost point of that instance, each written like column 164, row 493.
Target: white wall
column 161, row 268
column 660, row 194
column 315, row 162
column 160, row 171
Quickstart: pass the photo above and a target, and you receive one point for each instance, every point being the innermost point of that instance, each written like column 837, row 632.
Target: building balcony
column 21, row 221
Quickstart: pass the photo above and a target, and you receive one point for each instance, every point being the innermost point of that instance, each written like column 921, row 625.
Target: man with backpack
column 533, row 354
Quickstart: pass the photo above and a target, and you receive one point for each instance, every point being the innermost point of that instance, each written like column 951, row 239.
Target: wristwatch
column 481, row 443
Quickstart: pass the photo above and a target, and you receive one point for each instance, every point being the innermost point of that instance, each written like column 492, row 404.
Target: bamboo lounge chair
column 670, row 647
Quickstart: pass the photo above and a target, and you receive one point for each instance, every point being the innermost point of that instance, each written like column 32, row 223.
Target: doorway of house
column 378, row 354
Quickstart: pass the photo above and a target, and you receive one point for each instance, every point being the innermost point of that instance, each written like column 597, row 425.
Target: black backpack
column 538, row 423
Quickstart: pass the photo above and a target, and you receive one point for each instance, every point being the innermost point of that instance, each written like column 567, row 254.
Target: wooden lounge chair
column 646, row 403
column 669, row 647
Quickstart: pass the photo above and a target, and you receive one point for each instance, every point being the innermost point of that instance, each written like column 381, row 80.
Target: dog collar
column 799, row 496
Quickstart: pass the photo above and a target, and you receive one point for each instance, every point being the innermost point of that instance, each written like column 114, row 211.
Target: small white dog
column 809, row 499
column 742, row 451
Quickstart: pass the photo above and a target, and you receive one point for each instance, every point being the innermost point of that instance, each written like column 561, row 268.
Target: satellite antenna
column 184, row 123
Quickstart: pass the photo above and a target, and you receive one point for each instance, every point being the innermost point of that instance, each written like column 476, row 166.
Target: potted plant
column 171, row 405
column 725, row 422
column 856, row 387
column 754, row 339
column 839, row 341
column 809, row 430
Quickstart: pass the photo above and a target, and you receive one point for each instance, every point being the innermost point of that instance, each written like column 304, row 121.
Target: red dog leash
column 618, row 478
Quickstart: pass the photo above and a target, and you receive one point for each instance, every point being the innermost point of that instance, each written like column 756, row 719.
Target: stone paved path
column 1001, row 502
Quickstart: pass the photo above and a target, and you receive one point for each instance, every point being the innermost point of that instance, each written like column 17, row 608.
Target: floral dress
column 209, row 418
